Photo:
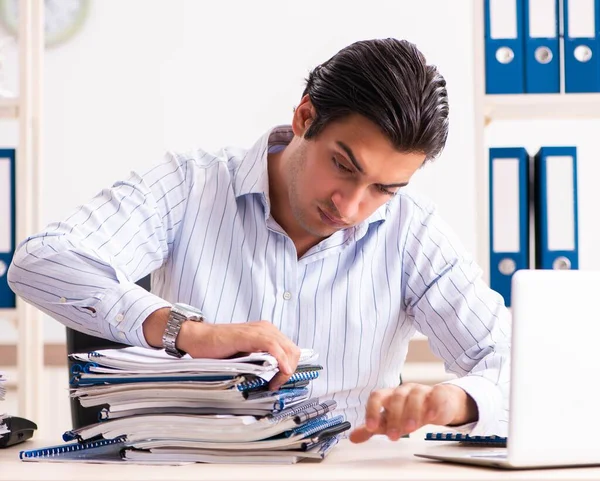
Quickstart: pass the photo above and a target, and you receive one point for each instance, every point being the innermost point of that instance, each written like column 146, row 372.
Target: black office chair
column 80, row 342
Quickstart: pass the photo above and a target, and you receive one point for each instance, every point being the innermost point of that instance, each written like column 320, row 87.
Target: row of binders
column 542, row 189
column 542, row 46
column 7, row 224
column 154, row 409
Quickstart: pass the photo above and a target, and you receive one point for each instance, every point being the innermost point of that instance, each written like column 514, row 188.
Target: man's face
column 342, row 176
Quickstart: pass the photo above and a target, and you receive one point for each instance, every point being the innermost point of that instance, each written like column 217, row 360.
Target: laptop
column 554, row 418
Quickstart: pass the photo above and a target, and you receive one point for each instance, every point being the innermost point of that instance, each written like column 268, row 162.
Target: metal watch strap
column 178, row 315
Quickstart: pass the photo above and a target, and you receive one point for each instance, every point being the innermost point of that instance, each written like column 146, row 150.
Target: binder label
column 503, row 19
column 506, row 203
column 581, row 19
column 5, row 207
column 542, row 20
column 561, row 211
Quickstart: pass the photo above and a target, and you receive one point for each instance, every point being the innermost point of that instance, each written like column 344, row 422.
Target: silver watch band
column 179, row 314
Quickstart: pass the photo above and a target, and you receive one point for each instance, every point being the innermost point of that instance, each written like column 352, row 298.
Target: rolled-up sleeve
column 465, row 321
column 82, row 271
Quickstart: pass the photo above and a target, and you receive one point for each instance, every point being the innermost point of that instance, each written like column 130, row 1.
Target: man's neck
column 281, row 209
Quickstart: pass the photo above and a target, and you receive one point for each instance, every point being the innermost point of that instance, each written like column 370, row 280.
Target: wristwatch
column 179, row 314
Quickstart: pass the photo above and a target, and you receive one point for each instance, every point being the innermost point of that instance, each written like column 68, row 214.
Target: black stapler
column 21, row 429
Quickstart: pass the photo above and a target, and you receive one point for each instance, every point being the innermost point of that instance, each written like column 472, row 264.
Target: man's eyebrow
column 402, row 184
column 350, row 154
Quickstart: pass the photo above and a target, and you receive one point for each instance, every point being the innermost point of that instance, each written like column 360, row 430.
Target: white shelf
column 8, row 314
column 9, row 108
column 541, row 106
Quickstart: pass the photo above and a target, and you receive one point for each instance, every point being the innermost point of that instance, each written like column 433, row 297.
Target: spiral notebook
column 164, row 454
column 141, row 361
column 313, row 439
column 105, row 450
column 218, row 429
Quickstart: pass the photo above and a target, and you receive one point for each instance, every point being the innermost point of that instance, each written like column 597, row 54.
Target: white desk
column 375, row 460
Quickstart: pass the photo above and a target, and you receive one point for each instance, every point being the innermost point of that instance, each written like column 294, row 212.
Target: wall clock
column 62, row 18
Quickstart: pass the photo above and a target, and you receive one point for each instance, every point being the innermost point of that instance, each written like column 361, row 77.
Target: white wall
column 144, row 76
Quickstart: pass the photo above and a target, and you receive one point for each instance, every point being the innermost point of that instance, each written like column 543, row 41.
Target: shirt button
column 287, row 295
column 119, row 318
column 62, row 300
column 122, row 335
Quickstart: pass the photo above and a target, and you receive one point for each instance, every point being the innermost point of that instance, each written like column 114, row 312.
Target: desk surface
column 375, row 460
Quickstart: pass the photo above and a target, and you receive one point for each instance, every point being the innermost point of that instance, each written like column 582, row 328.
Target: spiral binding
column 315, row 411
column 308, row 431
column 308, row 425
column 324, row 446
column 316, row 422
column 56, row 450
column 78, row 369
column 281, row 394
column 293, row 410
column 87, row 367
column 259, row 382
column 465, row 438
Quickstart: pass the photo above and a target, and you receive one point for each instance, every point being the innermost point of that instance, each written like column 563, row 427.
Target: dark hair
column 388, row 82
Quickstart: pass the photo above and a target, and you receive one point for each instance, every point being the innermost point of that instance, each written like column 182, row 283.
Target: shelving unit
column 541, row 106
column 27, row 111
column 490, row 108
column 9, row 108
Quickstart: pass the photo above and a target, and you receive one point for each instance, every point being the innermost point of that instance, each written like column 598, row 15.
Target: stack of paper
column 3, row 428
column 137, row 381
column 162, row 409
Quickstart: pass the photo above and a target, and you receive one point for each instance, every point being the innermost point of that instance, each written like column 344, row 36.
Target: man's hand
column 224, row 340
column 219, row 341
column 400, row 411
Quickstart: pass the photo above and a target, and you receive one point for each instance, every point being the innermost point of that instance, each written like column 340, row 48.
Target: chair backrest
column 81, row 342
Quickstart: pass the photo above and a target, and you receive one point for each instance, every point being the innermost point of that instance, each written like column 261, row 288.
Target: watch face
column 62, row 18
column 188, row 311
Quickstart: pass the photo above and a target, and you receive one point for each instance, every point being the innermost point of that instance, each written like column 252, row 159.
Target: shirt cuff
column 488, row 398
column 125, row 308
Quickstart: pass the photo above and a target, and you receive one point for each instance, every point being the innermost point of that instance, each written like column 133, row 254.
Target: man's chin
column 322, row 231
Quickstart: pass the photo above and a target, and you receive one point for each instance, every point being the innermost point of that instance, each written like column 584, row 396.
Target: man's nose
column 347, row 202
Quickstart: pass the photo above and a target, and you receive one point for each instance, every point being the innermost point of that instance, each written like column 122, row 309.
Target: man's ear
column 304, row 115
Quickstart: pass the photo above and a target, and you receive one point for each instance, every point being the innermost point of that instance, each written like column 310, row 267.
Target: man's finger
column 375, row 402
column 415, row 409
column 279, row 380
column 293, row 354
column 394, row 409
column 360, row 434
column 437, row 408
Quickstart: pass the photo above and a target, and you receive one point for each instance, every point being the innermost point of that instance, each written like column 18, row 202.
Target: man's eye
column 340, row 166
column 385, row 191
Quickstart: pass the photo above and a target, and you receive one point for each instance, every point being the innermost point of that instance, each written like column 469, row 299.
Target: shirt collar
column 252, row 176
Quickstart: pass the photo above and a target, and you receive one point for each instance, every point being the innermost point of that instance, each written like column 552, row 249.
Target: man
column 306, row 239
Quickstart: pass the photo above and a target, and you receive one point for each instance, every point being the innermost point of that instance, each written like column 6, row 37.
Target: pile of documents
column 155, row 408
column 3, row 428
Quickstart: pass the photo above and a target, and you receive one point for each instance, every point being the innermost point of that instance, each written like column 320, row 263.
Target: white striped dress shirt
column 201, row 223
